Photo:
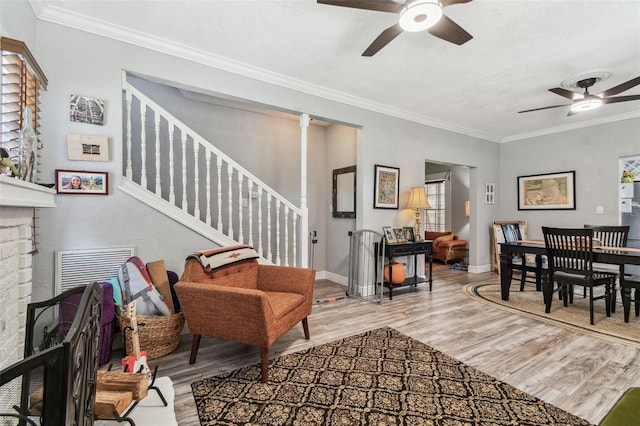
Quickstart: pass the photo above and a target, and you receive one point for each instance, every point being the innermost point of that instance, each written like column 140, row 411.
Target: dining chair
column 628, row 283
column 570, row 256
column 610, row 236
column 524, row 263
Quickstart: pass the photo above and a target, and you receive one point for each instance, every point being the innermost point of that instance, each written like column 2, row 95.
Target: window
column 22, row 81
column 436, row 215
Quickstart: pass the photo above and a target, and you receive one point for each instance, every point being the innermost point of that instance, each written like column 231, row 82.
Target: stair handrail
column 284, row 242
column 197, row 138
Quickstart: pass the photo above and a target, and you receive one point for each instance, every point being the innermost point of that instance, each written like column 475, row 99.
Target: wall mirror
column 344, row 192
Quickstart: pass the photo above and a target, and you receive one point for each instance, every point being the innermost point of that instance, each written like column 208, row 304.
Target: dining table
column 601, row 254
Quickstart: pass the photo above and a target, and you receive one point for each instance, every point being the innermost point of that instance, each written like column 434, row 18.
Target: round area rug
column 530, row 303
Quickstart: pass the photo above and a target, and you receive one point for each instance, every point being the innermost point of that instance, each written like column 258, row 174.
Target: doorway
column 450, row 208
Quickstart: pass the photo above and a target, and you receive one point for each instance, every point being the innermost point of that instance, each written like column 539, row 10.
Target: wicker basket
column 158, row 336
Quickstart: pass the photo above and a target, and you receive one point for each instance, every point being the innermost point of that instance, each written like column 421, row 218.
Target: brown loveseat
column 446, row 246
column 244, row 301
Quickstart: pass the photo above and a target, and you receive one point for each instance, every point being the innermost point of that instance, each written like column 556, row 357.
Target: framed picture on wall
column 83, row 109
column 82, row 182
column 386, row 187
column 551, row 191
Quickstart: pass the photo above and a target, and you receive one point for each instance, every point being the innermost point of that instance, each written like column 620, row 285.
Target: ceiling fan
column 414, row 15
column 586, row 101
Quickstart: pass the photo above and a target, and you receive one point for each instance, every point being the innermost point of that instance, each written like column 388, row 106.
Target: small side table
column 392, row 250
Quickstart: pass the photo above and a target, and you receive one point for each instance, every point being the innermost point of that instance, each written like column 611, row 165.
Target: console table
column 408, row 249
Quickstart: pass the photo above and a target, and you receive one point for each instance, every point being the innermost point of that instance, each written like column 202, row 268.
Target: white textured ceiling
column 519, row 50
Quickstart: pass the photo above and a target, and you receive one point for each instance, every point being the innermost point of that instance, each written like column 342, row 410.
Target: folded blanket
column 217, row 258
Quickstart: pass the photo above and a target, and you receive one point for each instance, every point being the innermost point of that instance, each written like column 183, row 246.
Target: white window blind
column 22, row 80
column 436, row 215
column 436, row 185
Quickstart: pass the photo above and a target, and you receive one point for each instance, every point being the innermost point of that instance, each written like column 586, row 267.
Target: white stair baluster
column 172, row 184
column 219, row 167
column 260, row 251
column 294, row 223
column 157, row 129
column 286, row 236
column 230, row 200
column 196, row 180
column 249, row 191
column 184, row 170
column 143, row 145
column 208, row 214
column 269, row 249
column 129, row 172
column 240, row 198
column 278, row 261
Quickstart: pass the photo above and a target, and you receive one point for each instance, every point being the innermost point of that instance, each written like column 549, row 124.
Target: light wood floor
column 580, row 374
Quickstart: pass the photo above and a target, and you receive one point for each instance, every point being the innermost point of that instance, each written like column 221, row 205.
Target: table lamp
column 418, row 200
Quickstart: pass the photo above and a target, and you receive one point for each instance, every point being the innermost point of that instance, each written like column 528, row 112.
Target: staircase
column 171, row 168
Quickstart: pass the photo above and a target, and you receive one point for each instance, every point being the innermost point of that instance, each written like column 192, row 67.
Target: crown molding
column 48, row 13
column 53, row 14
column 572, row 126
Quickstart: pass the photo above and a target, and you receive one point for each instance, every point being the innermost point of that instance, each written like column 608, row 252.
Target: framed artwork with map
column 551, row 191
column 386, row 187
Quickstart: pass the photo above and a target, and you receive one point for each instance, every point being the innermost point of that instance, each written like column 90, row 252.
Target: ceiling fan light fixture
column 420, row 15
column 586, row 104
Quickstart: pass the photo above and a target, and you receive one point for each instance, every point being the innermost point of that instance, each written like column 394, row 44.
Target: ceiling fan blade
column 539, row 109
column 449, row 31
column 620, row 99
column 377, row 5
column 383, row 39
column 446, row 3
column 620, row 88
column 564, row 93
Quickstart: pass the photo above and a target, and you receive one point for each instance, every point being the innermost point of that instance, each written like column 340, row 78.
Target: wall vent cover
column 82, row 267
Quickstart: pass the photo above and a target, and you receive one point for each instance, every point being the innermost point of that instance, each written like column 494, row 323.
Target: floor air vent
column 81, row 267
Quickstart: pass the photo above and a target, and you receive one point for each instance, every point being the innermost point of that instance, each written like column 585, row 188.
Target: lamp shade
column 418, row 198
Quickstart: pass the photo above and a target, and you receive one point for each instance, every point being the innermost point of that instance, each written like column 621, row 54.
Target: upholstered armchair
column 225, row 293
column 447, row 246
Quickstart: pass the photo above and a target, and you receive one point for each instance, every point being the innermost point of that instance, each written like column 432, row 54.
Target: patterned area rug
column 530, row 303
column 380, row 377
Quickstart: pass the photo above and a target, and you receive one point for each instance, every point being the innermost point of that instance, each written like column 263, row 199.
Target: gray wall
column 592, row 152
column 92, row 65
column 80, row 63
column 341, row 152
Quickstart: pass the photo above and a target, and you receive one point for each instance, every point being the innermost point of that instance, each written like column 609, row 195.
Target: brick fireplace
column 17, row 202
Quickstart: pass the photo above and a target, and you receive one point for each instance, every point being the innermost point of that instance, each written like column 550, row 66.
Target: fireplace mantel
column 18, row 193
